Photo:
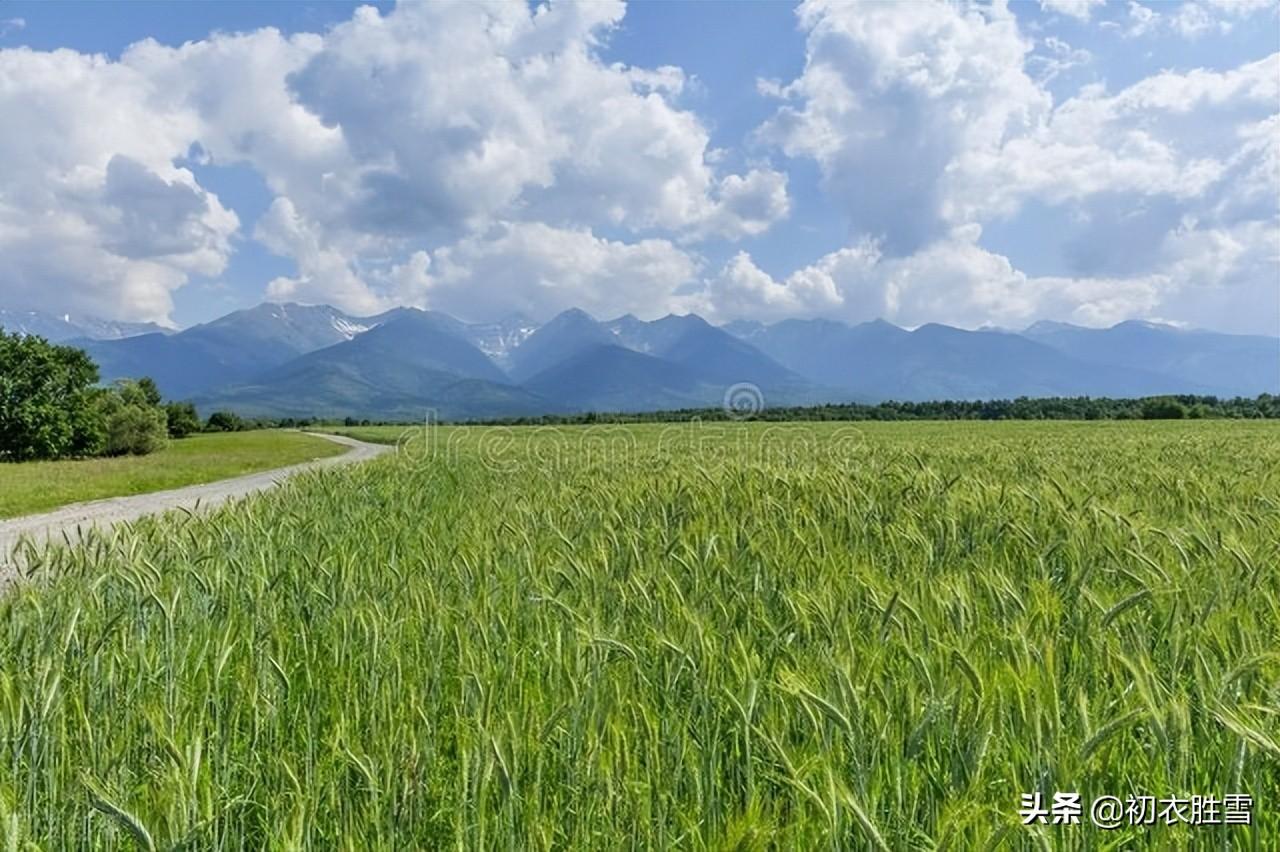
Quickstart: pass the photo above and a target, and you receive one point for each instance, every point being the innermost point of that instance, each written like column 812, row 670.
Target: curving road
column 70, row 520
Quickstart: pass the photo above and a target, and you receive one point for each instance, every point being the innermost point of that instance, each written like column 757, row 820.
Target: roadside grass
column 802, row 636
column 31, row 487
column 376, row 434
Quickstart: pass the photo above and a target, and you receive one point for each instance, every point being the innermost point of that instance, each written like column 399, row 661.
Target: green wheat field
column 729, row 636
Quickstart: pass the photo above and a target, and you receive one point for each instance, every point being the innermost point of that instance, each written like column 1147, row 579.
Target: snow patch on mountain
column 498, row 339
column 349, row 328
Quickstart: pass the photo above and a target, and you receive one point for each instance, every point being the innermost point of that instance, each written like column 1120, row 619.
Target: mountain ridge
column 286, row 359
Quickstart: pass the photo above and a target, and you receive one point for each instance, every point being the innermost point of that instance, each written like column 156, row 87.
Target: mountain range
column 314, row 360
column 60, row 327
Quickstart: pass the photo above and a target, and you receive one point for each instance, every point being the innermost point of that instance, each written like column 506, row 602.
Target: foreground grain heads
column 716, row 637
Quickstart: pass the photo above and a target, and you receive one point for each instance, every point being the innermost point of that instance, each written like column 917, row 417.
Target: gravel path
column 71, row 520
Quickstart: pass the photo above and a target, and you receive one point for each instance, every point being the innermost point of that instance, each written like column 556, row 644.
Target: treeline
column 1175, row 407
column 52, row 407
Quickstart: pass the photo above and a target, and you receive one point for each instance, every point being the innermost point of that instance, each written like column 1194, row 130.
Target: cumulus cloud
column 390, row 134
column 952, row 280
column 922, row 146
column 1160, row 136
column 1176, row 153
column 93, row 210
column 1197, row 277
column 326, row 274
column 892, row 94
column 526, row 267
column 454, row 115
column 540, row 270
column 484, row 157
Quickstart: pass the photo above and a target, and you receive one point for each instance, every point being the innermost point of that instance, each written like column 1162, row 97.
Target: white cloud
column 482, row 157
column 1081, row 10
column 528, row 267
column 325, row 273
column 1142, row 20
column 1055, row 57
column 1161, row 136
column 744, row 291
column 1198, row 277
column 925, row 125
column 540, row 270
column 458, row 114
column 389, row 134
column 1194, row 19
column 1128, row 168
column 93, row 210
column 953, row 280
column 892, row 94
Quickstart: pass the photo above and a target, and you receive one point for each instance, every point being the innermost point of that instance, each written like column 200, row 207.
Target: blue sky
column 965, row 163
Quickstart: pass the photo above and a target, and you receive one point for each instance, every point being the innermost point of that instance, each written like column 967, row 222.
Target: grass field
column 718, row 637
column 39, row 486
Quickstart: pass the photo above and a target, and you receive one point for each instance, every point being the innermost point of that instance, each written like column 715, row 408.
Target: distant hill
column 877, row 361
column 1229, row 364
column 296, row 360
column 607, row 377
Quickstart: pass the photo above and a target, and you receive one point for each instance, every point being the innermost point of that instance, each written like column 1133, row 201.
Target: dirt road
column 70, row 520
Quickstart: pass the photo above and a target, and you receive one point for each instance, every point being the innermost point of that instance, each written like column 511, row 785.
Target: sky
column 976, row 163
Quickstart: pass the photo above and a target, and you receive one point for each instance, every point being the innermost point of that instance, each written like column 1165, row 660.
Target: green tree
column 147, row 387
column 47, row 400
column 1163, row 408
column 224, row 421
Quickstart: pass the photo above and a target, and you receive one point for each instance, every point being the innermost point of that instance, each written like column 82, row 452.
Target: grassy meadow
column 30, row 487
column 729, row 636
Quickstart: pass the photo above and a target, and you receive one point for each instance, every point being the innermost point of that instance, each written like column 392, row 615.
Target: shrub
column 136, row 430
column 224, row 421
column 183, row 420
column 134, row 425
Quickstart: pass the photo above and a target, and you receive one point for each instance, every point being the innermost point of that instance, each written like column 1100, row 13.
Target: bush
column 134, row 423
column 183, row 420
column 224, row 421
column 136, row 430
column 1163, row 408
column 47, row 397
